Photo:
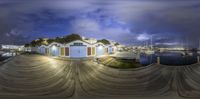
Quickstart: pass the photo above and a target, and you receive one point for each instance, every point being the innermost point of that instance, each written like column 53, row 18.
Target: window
column 78, row 44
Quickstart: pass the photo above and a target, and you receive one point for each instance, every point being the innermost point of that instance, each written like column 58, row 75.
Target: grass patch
column 119, row 63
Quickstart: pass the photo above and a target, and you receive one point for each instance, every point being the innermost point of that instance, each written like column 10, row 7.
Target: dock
column 42, row 77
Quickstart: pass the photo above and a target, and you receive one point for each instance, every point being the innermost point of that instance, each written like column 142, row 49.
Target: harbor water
column 169, row 58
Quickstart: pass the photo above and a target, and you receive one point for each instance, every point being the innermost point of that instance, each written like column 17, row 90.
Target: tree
column 49, row 41
column 104, row 41
column 116, row 44
column 65, row 39
column 72, row 37
column 59, row 40
column 38, row 42
column 27, row 45
column 33, row 43
column 41, row 41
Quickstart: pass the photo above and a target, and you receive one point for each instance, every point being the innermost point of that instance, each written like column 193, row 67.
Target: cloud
column 85, row 25
column 92, row 24
column 121, row 20
column 169, row 44
column 94, row 28
column 143, row 37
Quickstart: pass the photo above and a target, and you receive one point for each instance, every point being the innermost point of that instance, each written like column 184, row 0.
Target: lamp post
column 198, row 59
column 158, row 60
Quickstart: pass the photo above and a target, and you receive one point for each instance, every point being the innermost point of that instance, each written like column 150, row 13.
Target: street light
column 53, row 50
column 53, row 47
column 100, row 47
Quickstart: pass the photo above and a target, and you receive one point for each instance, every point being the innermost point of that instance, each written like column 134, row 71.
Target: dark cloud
column 122, row 20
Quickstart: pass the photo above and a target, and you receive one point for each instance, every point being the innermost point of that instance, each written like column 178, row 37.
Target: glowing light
column 100, row 47
column 53, row 47
column 53, row 63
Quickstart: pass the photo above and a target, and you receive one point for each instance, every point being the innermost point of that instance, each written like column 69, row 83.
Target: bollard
column 198, row 59
column 158, row 60
column 137, row 57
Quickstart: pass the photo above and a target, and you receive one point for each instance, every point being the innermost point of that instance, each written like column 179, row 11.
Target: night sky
column 131, row 22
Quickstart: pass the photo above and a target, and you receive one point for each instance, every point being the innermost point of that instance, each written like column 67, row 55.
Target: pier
column 41, row 77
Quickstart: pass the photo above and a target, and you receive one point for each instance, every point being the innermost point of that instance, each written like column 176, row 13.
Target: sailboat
column 187, row 52
column 150, row 51
column 183, row 46
column 198, row 50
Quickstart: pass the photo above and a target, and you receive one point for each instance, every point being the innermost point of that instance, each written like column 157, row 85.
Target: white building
column 76, row 49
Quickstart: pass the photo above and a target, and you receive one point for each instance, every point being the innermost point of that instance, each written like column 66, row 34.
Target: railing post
column 158, row 60
column 198, row 59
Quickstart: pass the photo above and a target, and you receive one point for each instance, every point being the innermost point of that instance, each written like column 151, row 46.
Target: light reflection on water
column 169, row 58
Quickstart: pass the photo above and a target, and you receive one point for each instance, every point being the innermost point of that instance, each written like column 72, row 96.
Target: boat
column 198, row 51
column 1, row 52
column 150, row 51
column 186, row 53
column 8, row 54
column 189, row 53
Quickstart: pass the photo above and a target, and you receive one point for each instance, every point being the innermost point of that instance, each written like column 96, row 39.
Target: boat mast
column 151, row 43
column 199, row 45
column 146, row 44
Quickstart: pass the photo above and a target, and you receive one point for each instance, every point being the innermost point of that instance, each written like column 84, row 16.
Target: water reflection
column 169, row 58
